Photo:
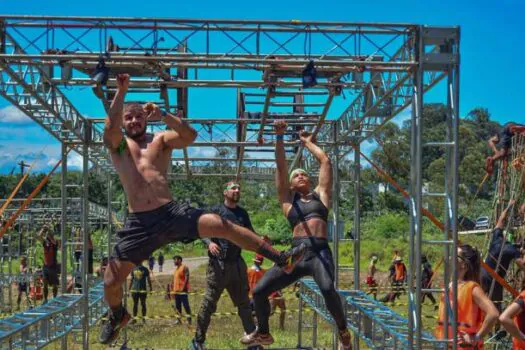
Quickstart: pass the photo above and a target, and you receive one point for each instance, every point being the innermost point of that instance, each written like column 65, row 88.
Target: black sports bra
column 302, row 211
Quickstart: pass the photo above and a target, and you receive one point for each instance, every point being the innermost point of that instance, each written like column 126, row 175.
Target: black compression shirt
column 302, row 211
column 229, row 251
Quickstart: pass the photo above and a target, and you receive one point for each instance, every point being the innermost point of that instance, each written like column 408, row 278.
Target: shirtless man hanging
column 155, row 219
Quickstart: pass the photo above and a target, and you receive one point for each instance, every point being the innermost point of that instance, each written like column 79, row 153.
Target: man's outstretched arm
column 113, row 128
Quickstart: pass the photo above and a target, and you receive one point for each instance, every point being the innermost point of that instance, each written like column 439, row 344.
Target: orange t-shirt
column 254, row 275
column 179, row 279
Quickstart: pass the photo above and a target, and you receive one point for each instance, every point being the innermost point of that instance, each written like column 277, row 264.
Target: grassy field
column 224, row 332
column 159, row 330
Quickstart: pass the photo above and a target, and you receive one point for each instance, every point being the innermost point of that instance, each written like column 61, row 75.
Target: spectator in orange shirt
column 181, row 287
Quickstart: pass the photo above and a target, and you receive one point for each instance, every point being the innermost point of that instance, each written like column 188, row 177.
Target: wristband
column 279, row 137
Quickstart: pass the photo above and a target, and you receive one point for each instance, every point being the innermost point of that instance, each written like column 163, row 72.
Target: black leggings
column 318, row 263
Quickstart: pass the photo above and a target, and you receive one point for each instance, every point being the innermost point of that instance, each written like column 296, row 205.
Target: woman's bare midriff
column 315, row 227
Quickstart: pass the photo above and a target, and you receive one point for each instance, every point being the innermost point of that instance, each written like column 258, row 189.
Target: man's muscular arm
column 180, row 135
column 112, row 129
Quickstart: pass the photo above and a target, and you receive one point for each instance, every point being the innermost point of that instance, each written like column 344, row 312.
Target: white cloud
column 202, row 152
column 74, row 160
column 403, row 116
column 11, row 114
column 51, row 162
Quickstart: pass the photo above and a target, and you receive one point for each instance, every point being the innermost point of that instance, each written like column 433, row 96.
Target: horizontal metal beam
column 283, row 65
column 205, row 24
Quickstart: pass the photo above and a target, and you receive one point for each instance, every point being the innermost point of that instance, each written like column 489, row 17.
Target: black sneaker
column 111, row 328
column 500, row 335
column 292, row 257
column 195, row 345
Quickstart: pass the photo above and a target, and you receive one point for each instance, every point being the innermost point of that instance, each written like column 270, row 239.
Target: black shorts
column 22, row 287
column 145, row 232
column 51, row 275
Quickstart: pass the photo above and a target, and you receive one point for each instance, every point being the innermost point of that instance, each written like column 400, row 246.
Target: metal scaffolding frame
column 383, row 67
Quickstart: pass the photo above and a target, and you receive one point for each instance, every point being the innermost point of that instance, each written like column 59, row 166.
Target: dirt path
column 169, row 267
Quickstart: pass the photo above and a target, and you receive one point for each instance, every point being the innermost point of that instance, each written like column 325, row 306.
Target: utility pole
column 22, row 166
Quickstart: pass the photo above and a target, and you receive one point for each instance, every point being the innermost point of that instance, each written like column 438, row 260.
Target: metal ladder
column 449, row 47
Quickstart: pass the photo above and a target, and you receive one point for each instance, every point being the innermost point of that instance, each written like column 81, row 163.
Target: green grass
column 225, row 332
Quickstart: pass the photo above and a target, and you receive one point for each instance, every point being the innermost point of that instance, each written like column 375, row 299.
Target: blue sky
column 491, row 49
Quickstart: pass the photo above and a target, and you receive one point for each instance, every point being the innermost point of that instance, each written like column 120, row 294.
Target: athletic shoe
column 345, row 340
column 257, row 338
column 111, row 328
column 292, row 257
column 195, row 345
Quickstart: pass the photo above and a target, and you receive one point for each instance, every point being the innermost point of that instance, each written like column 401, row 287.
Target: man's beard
column 234, row 199
column 137, row 135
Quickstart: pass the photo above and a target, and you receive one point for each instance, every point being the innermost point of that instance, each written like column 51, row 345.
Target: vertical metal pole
column 63, row 220
column 451, row 189
column 419, row 194
column 110, row 211
column 414, row 307
column 357, row 223
column 314, row 329
column 10, row 268
column 335, row 207
column 19, row 253
column 3, row 279
column 300, row 317
column 85, row 243
column 125, row 295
